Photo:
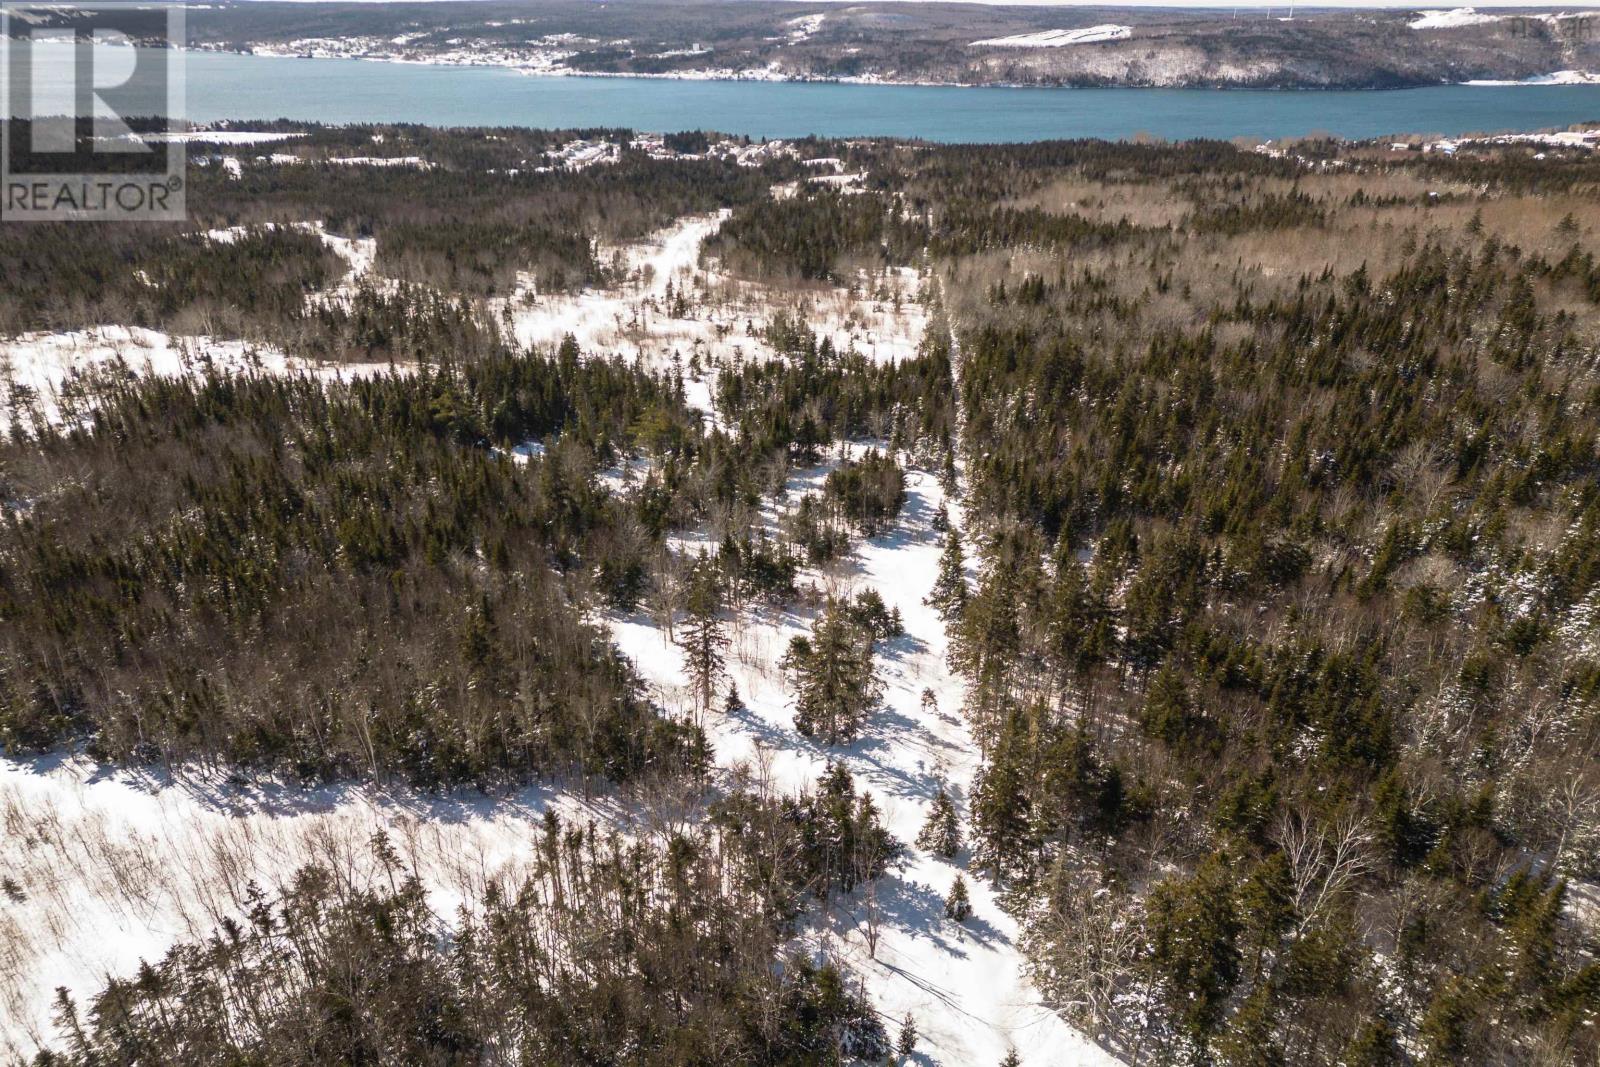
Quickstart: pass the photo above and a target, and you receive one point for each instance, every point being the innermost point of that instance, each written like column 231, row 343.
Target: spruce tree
column 1375, row 1045
column 949, row 593
column 941, row 832
column 703, row 636
column 1002, row 811
column 947, row 473
column 832, row 675
column 1079, row 623
column 906, row 1044
column 958, row 905
column 1195, row 930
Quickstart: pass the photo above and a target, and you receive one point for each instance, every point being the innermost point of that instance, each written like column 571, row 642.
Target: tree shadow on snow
column 236, row 795
column 918, row 908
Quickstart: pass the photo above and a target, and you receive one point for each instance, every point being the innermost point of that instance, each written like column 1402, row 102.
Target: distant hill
column 934, row 42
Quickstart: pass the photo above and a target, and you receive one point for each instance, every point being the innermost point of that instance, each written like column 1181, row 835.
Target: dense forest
column 1272, row 576
column 1279, row 644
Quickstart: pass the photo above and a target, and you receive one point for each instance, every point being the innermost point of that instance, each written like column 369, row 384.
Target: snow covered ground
column 43, row 375
column 964, row 983
column 104, row 868
column 1585, row 140
column 221, row 137
column 1449, row 19
column 1059, row 38
column 1454, row 18
column 1557, row 77
column 805, row 27
column 109, row 867
column 724, row 315
column 359, row 253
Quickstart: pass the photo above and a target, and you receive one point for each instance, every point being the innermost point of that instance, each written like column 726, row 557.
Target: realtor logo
column 90, row 98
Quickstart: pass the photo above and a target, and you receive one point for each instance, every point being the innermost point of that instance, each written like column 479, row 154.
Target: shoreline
column 1553, row 79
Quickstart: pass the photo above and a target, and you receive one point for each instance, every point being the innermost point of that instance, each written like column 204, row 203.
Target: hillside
column 933, row 43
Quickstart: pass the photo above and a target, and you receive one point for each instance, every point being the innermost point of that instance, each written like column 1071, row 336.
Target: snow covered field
column 104, row 868
column 1557, row 77
column 109, row 867
column 1454, row 18
column 1449, row 19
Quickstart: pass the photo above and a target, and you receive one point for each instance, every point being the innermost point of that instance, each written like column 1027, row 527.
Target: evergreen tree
column 906, row 1043
column 1251, row 1037
column 1080, row 625
column 1002, row 808
column 1375, row 1045
column 842, row 840
column 1194, row 946
column 1446, row 1029
column 941, row 831
column 950, row 592
column 957, row 904
column 833, row 678
column 703, row 636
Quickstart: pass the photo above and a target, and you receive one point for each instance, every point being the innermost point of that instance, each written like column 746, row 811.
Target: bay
column 234, row 86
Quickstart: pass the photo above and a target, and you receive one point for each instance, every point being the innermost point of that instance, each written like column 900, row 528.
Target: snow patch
column 721, row 317
column 224, row 137
column 1059, row 38
column 1453, row 18
column 805, row 27
column 382, row 161
column 1450, row 19
column 1557, row 77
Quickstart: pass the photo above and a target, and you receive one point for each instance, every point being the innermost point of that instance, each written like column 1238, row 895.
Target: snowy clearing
column 805, row 27
column 1448, row 19
column 1059, row 38
column 382, row 161
column 43, row 375
column 117, row 866
column 963, row 982
column 881, row 319
column 359, row 253
column 1453, row 18
column 114, row 867
column 226, row 137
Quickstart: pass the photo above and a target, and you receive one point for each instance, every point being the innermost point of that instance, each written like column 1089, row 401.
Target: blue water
column 229, row 86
